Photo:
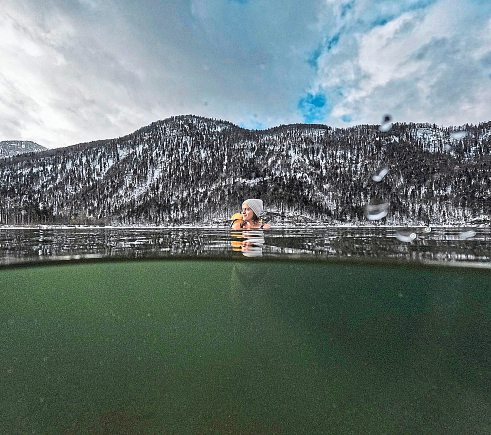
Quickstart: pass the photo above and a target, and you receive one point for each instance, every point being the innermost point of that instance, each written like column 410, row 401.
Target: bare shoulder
column 266, row 226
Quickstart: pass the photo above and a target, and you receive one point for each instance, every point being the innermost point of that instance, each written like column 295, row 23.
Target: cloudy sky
column 81, row 70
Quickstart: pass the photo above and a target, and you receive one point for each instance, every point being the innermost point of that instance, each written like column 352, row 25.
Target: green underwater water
column 193, row 346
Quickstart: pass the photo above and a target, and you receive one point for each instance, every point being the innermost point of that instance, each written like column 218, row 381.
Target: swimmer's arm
column 236, row 225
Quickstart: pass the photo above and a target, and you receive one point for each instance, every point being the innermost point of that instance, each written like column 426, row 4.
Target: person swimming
column 235, row 217
column 252, row 209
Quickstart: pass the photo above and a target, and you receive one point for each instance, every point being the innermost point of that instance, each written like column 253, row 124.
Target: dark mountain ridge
column 189, row 169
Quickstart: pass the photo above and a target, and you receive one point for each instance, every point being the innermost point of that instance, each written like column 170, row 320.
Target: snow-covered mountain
column 188, row 169
column 10, row 148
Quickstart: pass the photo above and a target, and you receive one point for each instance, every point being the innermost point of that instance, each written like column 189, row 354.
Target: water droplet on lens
column 380, row 176
column 386, row 124
column 375, row 212
column 384, row 128
column 458, row 135
column 405, row 237
column 467, row 235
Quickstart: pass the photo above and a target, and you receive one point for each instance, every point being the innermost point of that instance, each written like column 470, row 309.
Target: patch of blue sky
column 242, row 2
column 382, row 21
column 346, row 118
column 486, row 59
column 333, row 41
column 482, row 3
column 483, row 7
column 420, row 4
column 314, row 107
column 314, row 57
column 325, row 47
column 252, row 124
column 394, row 12
column 486, row 63
column 346, row 7
column 337, row 92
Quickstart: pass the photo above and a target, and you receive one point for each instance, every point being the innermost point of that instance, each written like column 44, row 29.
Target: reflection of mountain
column 188, row 169
column 9, row 148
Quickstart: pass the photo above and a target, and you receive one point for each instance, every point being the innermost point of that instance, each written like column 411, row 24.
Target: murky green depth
column 244, row 347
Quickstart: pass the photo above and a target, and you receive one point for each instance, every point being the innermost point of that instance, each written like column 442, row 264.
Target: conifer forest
column 193, row 170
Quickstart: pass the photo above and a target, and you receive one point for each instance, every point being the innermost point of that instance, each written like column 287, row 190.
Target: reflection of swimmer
column 252, row 209
column 250, row 243
column 250, row 281
column 253, row 248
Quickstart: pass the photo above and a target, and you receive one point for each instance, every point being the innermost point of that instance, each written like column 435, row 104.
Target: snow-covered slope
column 189, row 169
column 10, row 148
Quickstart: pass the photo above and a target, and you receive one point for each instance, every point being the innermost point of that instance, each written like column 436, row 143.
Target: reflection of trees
column 438, row 245
column 381, row 243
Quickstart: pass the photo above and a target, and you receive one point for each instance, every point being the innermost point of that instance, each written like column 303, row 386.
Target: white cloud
column 93, row 69
column 422, row 65
column 58, row 85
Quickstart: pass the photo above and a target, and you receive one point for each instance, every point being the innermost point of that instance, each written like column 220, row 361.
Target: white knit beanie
column 256, row 206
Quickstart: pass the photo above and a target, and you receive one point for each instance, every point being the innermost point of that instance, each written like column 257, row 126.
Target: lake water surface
column 281, row 332
column 379, row 243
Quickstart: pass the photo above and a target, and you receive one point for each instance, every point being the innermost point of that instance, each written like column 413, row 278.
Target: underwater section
column 209, row 346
